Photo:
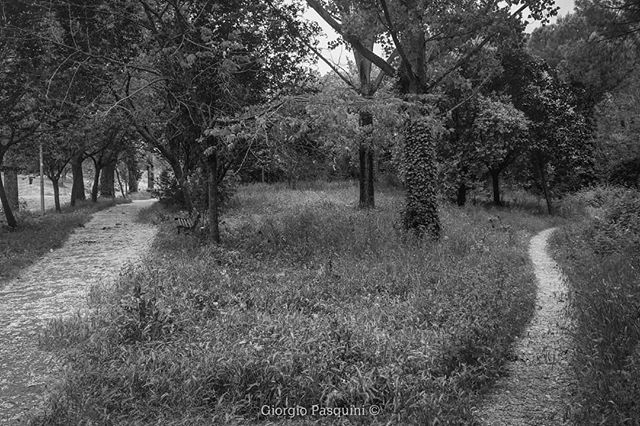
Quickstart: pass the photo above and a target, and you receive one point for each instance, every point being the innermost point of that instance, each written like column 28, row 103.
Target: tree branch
column 351, row 39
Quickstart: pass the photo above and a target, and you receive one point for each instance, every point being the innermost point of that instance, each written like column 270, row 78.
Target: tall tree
column 431, row 40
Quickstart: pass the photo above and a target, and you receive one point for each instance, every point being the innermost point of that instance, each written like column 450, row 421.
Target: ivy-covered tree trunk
column 77, row 188
column 421, row 211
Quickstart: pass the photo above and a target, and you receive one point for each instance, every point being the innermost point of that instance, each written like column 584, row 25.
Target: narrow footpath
column 56, row 286
column 539, row 383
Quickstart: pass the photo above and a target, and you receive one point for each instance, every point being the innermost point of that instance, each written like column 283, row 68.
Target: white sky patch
column 340, row 55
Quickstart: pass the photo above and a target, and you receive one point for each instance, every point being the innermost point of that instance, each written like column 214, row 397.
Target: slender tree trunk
column 362, row 176
column 366, row 178
column 365, row 151
column 495, row 182
column 107, row 180
column 461, row 195
column 56, row 193
column 11, row 187
column 421, row 211
column 370, row 178
column 120, row 182
column 77, row 188
column 8, row 214
column 96, row 181
column 543, row 183
column 212, row 166
column 150, row 177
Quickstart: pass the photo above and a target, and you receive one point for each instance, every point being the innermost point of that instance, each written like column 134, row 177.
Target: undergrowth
column 37, row 234
column 309, row 302
column 600, row 254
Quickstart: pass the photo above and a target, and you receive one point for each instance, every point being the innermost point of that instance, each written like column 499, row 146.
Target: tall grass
column 601, row 256
column 37, row 235
column 308, row 302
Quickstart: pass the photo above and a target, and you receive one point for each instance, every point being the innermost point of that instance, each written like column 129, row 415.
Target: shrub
column 170, row 193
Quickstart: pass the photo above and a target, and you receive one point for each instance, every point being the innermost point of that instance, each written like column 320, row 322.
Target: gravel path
column 539, row 383
column 57, row 286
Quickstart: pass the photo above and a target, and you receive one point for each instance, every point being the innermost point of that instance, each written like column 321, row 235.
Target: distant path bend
column 539, row 385
column 57, row 286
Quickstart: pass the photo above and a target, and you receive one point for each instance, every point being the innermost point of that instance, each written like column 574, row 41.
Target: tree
column 501, row 135
column 560, row 136
column 431, row 40
column 19, row 65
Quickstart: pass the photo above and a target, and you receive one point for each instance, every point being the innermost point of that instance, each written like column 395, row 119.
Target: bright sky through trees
column 340, row 55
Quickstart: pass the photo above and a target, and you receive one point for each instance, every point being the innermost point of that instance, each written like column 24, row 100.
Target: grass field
column 308, row 302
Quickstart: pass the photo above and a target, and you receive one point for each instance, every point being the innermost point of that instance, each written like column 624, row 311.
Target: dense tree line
column 455, row 93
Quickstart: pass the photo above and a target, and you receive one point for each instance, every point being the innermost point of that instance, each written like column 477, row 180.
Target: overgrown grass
column 37, row 235
column 600, row 254
column 308, row 302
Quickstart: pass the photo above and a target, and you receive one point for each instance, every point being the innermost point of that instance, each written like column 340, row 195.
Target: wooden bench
column 187, row 224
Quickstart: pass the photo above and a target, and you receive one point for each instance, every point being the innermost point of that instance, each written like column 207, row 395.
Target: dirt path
column 539, row 382
column 56, row 286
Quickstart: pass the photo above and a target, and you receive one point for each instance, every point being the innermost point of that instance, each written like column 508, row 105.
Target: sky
column 340, row 55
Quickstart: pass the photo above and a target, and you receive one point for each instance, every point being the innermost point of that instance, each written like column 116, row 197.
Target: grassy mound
column 309, row 304
column 601, row 257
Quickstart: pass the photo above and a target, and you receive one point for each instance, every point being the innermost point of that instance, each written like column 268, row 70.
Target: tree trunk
column 56, row 193
column 150, row 177
column 96, row 181
column 370, row 178
column 365, row 152
column 214, row 230
column 132, row 170
column 366, row 177
column 11, row 187
column 543, row 183
column 461, row 195
column 120, row 183
column 77, row 188
column 107, row 180
column 495, row 182
column 8, row 214
column 362, row 176
column 421, row 211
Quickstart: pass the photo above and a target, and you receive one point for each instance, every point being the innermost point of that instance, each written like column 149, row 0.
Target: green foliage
column 600, row 256
column 215, row 332
column 170, row 192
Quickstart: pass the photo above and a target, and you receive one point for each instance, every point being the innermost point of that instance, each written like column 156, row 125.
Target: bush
column 169, row 192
